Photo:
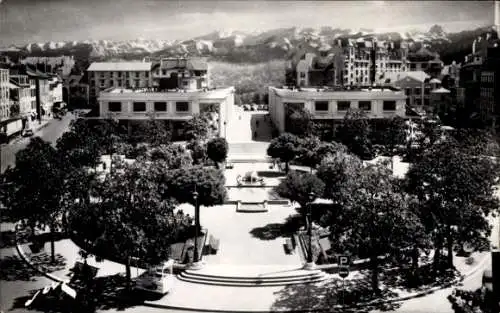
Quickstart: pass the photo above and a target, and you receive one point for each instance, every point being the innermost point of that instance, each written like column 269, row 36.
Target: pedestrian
column 255, row 135
column 257, row 124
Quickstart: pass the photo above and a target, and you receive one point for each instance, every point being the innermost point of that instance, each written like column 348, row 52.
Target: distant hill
column 240, row 47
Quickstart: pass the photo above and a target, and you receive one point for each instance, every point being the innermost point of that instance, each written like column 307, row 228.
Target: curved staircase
column 251, row 276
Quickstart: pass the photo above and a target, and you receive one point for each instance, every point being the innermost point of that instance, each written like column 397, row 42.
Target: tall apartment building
column 489, row 92
column 4, row 94
column 365, row 60
column 330, row 106
column 104, row 75
column 471, row 77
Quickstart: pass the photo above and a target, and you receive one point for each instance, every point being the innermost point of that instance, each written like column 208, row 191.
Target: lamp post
column 310, row 262
column 196, row 264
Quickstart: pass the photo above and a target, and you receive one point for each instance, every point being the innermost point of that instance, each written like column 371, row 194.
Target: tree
column 312, row 151
column 297, row 186
column 198, row 151
column 154, row 132
column 391, row 133
column 79, row 146
column 131, row 219
column 455, row 192
column 197, row 128
column 217, row 149
column 285, row 147
column 209, row 183
column 354, row 134
column 175, row 156
column 36, row 188
column 299, row 122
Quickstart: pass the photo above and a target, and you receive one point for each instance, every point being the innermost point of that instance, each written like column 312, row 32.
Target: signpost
column 344, row 262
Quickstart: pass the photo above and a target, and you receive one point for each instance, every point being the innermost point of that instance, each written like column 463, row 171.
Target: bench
column 213, row 244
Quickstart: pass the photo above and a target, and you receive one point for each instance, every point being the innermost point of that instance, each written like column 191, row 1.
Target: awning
column 12, row 86
column 440, row 90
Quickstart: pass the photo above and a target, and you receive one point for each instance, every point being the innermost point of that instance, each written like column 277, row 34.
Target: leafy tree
column 297, row 186
column 479, row 301
column 299, row 121
column 209, row 184
column 455, row 192
column 391, row 132
column 175, row 156
column 131, row 219
column 36, row 188
column 198, row 151
column 154, row 132
column 286, row 148
column 79, row 146
column 197, row 127
column 355, row 134
column 217, row 149
column 313, row 151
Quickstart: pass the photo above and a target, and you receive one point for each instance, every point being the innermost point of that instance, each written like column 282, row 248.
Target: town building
column 180, row 73
column 56, row 89
column 469, row 90
column 489, row 87
column 20, row 94
column 133, row 106
column 416, row 86
column 61, row 65
column 4, row 94
column 76, row 91
column 330, row 106
column 425, row 60
column 307, row 69
column 104, row 75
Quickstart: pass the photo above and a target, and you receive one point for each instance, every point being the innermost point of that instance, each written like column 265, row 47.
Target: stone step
column 254, row 276
column 252, row 281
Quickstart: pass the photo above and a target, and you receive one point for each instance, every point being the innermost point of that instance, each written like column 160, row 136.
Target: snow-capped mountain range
column 232, row 45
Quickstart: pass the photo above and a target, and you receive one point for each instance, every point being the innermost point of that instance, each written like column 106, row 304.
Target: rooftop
column 120, row 66
column 420, row 76
column 360, row 92
column 211, row 92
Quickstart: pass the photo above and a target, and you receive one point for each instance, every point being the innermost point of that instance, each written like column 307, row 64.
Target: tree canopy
column 197, row 128
column 217, row 149
column 355, row 134
column 285, row 147
column 297, row 187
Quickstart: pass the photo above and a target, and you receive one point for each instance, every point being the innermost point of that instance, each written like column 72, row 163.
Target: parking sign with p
column 344, row 260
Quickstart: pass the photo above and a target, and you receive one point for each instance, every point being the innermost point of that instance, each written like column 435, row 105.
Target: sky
column 30, row 21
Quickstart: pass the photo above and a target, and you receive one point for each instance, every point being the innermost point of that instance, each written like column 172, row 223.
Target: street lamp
column 310, row 262
column 196, row 264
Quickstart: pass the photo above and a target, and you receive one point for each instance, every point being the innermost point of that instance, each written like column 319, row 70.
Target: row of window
column 417, row 91
column 487, row 77
column 161, row 106
column 487, row 93
column 119, row 74
column 323, row 106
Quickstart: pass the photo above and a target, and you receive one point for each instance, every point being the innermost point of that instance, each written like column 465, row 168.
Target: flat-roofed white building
column 176, row 107
column 332, row 106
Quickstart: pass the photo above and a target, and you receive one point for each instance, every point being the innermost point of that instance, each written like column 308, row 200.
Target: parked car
column 246, row 107
column 28, row 132
column 255, row 107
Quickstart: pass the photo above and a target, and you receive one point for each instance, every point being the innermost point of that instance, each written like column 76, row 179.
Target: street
column 50, row 132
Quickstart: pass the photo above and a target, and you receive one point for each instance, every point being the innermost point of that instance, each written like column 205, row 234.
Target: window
column 164, row 72
column 160, row 106
column 115, row 106
column 146, row 74
column 407, row 91
column 185, row 83
column 321, row 106
column 343, row 105
column 102, row 83
column 111, row 83
column 365, row 105
column 302, row 75
column 139, row 106
column 119, row 74
column 137, row 83
column 182, row 106
column 427, row 91
column 418, row 91
column 389, row 105
column 127, row 74
column 136, row 74
column 426, row 102
column 119, row 83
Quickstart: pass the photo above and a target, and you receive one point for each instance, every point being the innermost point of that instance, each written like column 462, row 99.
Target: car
column 28, row 132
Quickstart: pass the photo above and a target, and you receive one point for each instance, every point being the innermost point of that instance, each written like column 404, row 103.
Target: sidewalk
column 249, row 299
